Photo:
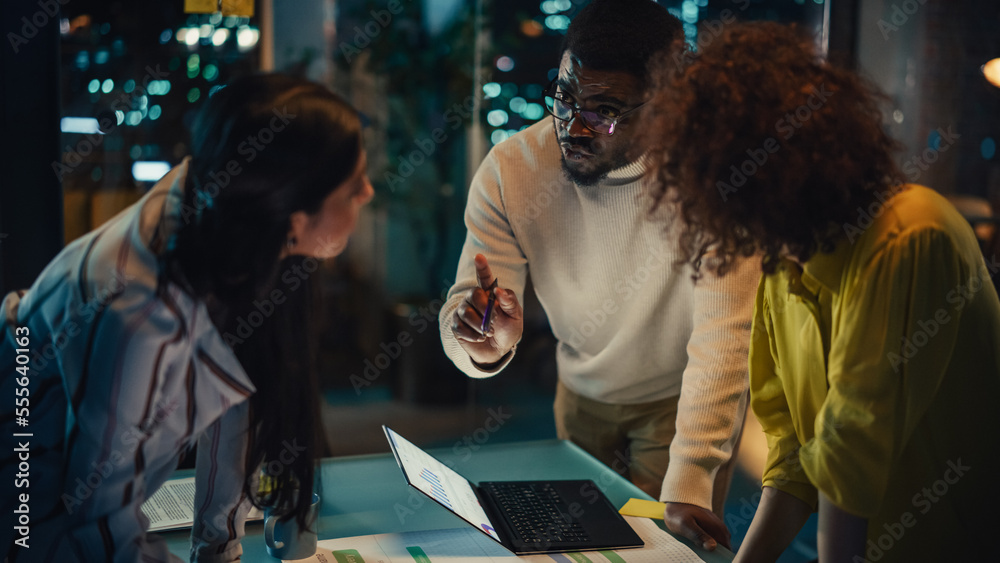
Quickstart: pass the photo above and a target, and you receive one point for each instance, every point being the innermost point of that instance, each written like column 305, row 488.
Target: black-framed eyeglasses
column 597, row 122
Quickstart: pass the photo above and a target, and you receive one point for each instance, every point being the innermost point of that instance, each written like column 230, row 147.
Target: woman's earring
column 291, row 242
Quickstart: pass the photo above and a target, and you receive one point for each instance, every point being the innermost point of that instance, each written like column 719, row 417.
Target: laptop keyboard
column 536, row 512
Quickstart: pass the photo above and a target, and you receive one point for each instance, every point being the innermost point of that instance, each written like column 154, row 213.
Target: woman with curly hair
column 875, row 357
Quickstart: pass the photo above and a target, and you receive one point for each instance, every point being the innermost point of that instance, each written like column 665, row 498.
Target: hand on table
column 698, row 524
column 504, row 331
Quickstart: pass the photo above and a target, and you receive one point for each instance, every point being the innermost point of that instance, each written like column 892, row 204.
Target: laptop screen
column 439, row 482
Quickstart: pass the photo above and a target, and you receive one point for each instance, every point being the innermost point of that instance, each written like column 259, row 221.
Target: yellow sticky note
column 201, row 6
column 237, row 8
column 643, row 508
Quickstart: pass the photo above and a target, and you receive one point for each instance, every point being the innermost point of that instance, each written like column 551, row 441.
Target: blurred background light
column 934, row 140
column 557, row 23
column 988, row 148
column 532, row 28
column 690, row 33
column 533, row 111
column 505, row 64
column 193, row 66
column 689, row 11
column 491, row 90
column 149, row 170
column 158, row 87
column 84, row 125
column 496, row 117
column 247, row 37
column 220, row 36
column 991, row 71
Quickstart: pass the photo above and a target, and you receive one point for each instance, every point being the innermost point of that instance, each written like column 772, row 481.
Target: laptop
column 523, row 516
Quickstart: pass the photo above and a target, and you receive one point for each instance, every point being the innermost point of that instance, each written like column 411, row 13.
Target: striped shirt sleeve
column 220, row 504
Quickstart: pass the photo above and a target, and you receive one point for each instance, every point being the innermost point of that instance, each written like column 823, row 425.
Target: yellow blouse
column 875, row 373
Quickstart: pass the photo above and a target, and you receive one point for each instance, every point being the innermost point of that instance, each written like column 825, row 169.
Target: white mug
column 285, row 539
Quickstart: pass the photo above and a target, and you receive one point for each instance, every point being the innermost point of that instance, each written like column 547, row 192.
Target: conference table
column 366, row 494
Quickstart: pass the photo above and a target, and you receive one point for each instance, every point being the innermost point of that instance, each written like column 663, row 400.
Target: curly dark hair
column 762, row 146
column 622, row 35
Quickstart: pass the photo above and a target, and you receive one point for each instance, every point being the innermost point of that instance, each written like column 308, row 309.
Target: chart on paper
column 465, row 545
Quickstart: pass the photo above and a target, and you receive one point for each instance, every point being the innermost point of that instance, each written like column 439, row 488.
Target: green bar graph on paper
column 579, row 557
column 612, row 556
column 348, row 556
column 418, row 554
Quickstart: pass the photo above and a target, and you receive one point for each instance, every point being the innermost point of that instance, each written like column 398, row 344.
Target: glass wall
column 439, row 82
column 131, row 76
column 929, row 58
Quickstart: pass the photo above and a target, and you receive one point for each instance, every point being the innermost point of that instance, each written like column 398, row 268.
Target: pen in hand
column 490, row 303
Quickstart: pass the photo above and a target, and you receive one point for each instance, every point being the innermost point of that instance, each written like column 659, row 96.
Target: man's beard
column 599, row 172
column 582, row 178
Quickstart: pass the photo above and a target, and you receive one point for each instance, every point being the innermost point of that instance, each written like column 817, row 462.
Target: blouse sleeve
column 782, row 469
column 888, row 353
column 113, row 369
column 221, row 506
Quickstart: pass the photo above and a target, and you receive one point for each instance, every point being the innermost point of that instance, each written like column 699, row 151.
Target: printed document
column 172, row 506
column 466, row 545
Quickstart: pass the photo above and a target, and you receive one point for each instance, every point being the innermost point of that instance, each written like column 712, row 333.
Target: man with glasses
column 651, row 364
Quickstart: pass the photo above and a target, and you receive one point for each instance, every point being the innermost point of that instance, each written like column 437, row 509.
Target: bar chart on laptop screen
column 441, row 483
column 437, row 491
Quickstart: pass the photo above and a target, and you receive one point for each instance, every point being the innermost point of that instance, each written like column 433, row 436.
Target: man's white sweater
column 632, row 326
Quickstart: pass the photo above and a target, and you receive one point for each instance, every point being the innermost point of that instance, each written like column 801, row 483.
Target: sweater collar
column 628, row 174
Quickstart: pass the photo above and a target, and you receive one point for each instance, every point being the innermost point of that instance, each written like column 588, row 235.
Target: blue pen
column 490, row 302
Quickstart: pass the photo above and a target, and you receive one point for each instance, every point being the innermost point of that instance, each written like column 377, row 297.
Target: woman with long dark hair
column 185, row 319
column 875, row 352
